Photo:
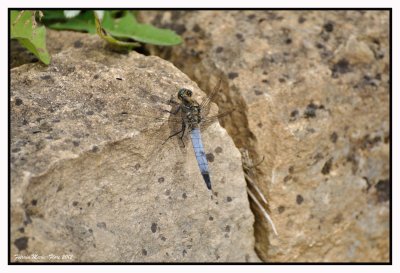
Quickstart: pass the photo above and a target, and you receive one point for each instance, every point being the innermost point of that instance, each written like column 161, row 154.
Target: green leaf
column 128, row 27
column 53, row 15
column 83, row 22
column 26, row 31
column 111, row 40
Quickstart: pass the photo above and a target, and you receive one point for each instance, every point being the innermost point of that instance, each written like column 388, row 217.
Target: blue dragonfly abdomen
column 200, row 155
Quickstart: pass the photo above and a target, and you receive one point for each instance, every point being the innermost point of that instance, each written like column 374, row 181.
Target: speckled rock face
column 90, row 180
column 312, row 93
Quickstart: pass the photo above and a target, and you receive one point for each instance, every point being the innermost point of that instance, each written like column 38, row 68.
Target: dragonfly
column 192, row 117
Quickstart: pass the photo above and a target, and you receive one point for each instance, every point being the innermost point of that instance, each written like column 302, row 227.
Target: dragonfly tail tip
column 207, row 179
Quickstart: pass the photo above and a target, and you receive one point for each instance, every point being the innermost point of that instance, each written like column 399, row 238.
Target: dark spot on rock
column 240, row 37
column 281, row 209
column 196, row 28
column 334, row 137
column 258, row 92
column 228, row 228
column 310, row 111
column 167, row 192
column 46, row 77
column 89, row 113
column 210, row 218
column 36, row 131
column 327, row 166
column 102, row 225
column 21, row 243
column 386, row 139
column 88, row 204
column 251, row 16
column 368, row 142
column 90, row 230
column 15, row 150
column 34, row 202
column 341, row 67
column 95, row 149
column 294, row 114
column 260, row 125
column 218, row 150
column 21, row 229
column 161, row 180
column 229, row 199
column 78, row 44
column 118, row 78
column 219, row 49
column 163, row 238
column 76, row 143
column 60, row 188
column 184, row 252
column 338, row 218
column 210, row 157
column 291, row 169
column 144, row 252
column 287, row 178
column 184, row 196
column 383, row 190
column 153, row 227
column 226, row 235
column 328, row 27
column 137, row 166
column 288, row 41
column 232, row 75
column 96, row 76
column 75, row 203
column 282, row 80
column 179, row 28
column 301, row 20
column 299, row 199
column 18, row 102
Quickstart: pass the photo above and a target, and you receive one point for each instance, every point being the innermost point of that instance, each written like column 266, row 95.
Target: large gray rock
column 312, row 89
column 90, row 180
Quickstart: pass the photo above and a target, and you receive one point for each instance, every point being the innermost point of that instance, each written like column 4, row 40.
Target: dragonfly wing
column 206, row 103
column 211, row 119
column 200, row 155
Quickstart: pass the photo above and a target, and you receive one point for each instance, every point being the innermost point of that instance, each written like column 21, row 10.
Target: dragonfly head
column 184, row 94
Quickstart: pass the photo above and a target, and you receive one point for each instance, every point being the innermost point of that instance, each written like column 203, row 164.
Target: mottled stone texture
column 311, row 89
column 90, row 180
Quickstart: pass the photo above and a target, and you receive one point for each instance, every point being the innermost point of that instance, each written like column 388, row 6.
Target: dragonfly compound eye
column 181, row 93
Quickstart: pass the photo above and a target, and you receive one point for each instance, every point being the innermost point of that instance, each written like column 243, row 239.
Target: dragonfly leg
column 183, row 133
column 174, row 134
column 173, row 112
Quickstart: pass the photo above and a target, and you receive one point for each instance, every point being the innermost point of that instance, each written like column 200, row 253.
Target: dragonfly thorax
column 191, row 114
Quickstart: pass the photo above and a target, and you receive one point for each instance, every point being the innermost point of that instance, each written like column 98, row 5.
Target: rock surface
column 312, row 93
column 90, row 180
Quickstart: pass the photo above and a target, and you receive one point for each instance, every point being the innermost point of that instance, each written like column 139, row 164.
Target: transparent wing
column 206, row 103
column 211, row 119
